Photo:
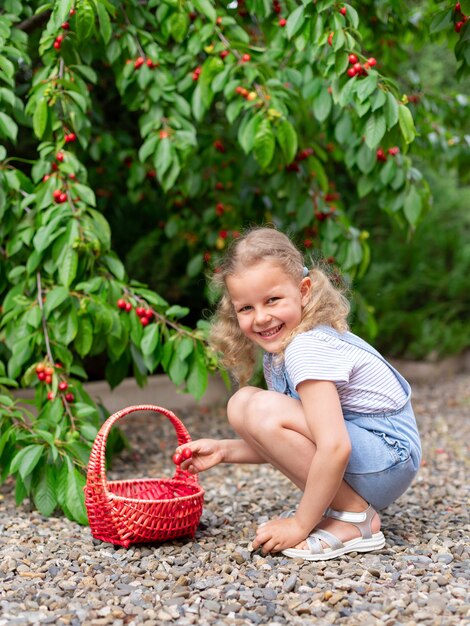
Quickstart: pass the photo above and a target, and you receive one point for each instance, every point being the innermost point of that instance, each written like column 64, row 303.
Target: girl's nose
column 262, row 316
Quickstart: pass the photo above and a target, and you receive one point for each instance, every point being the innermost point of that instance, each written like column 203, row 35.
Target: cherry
column 393, row 151
column 41, row 376
column 70, row 137
column 458, row 26
column 128, row 307
column 197, row 73
column 224, row 54
column 57, row 44
column 148, row 313
column 56, row 194
column 140, row 311
column 343, row 10
column 282, row 22
column 59, row 156
column 144, row 321
column 45, row 177
column 351, row 72
column 187, row 453
column 352, row 59
column 381, row 156
column 65, row 26
column 121, row 303
column 358, row 68
column 457, row 7
column 62, row 198
column 177, row 458
column 219, row 146
column 50, row 395
column 72, row 12
column 69, row 397
column 251, row 96
column 139, row 62
column 164, row 134
column 63, row 386
column 371, row 62
column 223, row 234
column 219, row 209
column 246, row 58
column 49, row 371
column 330, row 38
column 48, row 380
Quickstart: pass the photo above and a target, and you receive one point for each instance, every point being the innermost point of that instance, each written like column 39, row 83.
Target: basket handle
column 97, row 464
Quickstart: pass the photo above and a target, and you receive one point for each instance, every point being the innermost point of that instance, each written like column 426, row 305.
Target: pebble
column 52, row 571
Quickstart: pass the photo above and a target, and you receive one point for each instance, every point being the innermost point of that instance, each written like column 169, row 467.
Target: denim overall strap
column 354, row 340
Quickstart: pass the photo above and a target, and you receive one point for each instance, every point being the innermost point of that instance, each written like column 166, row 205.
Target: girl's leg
column 274, row 425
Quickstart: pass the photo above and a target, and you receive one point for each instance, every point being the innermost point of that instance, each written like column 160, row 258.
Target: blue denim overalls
column 386, row 449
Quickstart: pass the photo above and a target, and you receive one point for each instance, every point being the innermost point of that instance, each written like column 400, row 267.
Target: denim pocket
column 397, row 449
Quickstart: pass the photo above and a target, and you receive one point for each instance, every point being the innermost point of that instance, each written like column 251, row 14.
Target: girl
column 336, row 418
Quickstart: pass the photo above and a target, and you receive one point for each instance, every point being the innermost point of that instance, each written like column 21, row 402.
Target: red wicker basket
column 125, row 512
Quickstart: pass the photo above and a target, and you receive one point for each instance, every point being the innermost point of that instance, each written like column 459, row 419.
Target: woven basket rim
column 109, row 494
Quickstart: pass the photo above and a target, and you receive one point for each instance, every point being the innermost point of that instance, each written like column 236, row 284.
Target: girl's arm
column 210, row 452
column 324, row 418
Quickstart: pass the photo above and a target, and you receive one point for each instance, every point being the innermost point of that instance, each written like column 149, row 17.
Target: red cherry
column 458, row 26
column 50, row 395
column 381, row 156
column 144, row 321
column 49, row 371
column 57, row 45
column 457, row 7
column 148, row 313
column 72, row 12
column 393, row 151
column 56, row 194
column 128, row 307
column 351, row 72
column 139, row 62
column 177, row 458
column 69, row 397
column 150, row 63
column 352, row 59
column 62, row 198
column 48, row 380
column 164, row 134
column 224, row 54
column 140, row 311
column 59, row 156
column 40, row 368
column 282, row 22
column 246, row 58
column 65, row 26
column 70, row 137
column 121, row 303
column 41, row 376
column 187, row 453
column 63, row 386
column 372, row 61
column 59, row 38
column 343, row 10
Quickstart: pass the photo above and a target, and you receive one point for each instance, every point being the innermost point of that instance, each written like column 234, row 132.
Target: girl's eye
column 273, row 299
column 244, row 308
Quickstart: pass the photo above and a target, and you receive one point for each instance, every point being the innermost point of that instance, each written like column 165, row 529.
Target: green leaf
column 264, row 144
column 287, row 139
column 8, row 127
column 375, row 130
column 441, row 20
column 74, row 497
column 413, row 206
column 105, row 23
column 247, row 132
column 195, row 265
column 179, row 23
column 366, row 86
column 150, row 339
column 391, row 110
column 177, row 311
column 44, row 490
column 163, row 157
column 206, row 8
column 322, row 105
column 84, row 21
column 55, row 298
column 406, row 122
column 84, row 338
column 40, row 118
column 26, row 460
column 68, row 267
column 198, row 375
column 295, row 21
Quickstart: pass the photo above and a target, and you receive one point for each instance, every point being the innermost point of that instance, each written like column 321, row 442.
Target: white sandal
column 365, row 543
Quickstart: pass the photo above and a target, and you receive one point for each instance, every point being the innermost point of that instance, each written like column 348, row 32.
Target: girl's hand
column 279, row 534
column 206, row 454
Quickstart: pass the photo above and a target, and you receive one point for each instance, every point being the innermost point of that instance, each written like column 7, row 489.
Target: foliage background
column 140, row 138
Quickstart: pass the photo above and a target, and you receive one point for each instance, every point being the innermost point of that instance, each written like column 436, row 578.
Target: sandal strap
column 314, row 541
column 361, row 520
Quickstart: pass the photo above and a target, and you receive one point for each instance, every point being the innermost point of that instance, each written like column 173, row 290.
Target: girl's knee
column 259, row 415
column 238, row 403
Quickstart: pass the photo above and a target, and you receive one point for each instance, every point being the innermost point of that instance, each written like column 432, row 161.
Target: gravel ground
column 53, row 572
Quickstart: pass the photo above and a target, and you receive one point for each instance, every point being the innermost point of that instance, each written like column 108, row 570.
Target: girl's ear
column 305, row 290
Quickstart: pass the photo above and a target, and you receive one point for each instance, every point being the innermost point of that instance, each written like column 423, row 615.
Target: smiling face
column 268, row 303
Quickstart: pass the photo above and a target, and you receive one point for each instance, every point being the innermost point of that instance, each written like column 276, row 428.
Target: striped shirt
column 364, row 382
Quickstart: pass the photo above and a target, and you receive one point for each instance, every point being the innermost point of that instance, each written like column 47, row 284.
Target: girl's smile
column 268, row 303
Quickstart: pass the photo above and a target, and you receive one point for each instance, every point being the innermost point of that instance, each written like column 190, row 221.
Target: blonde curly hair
column 328, row 304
